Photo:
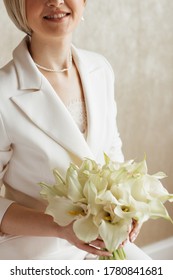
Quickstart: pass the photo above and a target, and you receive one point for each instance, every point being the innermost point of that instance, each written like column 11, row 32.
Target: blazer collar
column 58, row 124
column 28, row 75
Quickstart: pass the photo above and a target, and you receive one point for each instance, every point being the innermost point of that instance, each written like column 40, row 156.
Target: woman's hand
column 95, row 247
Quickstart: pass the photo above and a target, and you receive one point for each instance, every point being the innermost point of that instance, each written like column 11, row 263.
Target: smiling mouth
column 56, row 16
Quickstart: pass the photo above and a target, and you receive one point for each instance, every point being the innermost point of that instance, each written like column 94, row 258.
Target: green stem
column 118, row 254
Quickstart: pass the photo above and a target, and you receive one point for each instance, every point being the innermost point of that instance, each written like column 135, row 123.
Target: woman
column 56, row 107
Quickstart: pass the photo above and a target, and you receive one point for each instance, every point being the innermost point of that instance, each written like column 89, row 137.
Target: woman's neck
column 52, row 54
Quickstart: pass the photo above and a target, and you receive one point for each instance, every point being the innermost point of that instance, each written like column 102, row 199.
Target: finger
column 135, row 224
column 93, row 250
column 98, row 243
column 133, row 234
column 135, row 227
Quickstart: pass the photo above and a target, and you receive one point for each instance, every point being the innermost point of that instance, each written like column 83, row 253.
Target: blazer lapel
column 94, row 87
column 47, row 112
column 36, row 95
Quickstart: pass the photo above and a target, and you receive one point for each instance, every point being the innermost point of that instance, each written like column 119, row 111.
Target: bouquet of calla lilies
column 102, row 201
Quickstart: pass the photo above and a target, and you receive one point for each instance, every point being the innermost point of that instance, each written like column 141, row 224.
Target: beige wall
column 136, row 37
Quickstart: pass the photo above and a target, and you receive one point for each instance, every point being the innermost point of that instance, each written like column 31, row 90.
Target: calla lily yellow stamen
column 125, row 209
column 75, row 213
column 107, row 218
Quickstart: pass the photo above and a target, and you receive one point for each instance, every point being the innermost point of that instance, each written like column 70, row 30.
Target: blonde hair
column 17, row 12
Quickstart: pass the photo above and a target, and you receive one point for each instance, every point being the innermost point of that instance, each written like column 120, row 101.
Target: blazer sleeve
column 5, row 156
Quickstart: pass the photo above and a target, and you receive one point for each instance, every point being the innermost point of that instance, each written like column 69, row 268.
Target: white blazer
column 37, row 133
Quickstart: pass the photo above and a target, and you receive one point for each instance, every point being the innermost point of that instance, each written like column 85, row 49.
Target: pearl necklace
column 58, row 70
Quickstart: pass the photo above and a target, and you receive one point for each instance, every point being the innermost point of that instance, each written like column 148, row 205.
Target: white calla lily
column 139, row 211
column 155, row 188
column 107, row 197
column 158, row 210
column 64, row 211
column 85, row 229
column 91, row 195
column 114, row 234
column 75, row 191
column 49, row 192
